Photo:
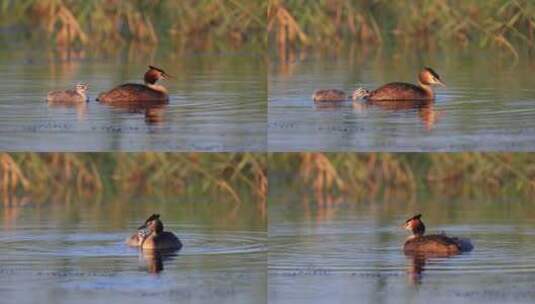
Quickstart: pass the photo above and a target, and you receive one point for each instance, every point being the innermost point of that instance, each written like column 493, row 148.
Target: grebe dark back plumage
column 159, row 239
column 434, row 244
column 404, row 91
column 150, row 91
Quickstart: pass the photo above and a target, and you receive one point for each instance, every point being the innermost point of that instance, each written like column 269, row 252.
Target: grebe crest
column 429, row 77
column 415, row 225
column 155, row 225
column 148, row 220
column 154, row 74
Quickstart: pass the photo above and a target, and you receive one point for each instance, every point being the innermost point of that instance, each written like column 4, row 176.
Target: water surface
column 217, row 102
column 345, row 251
column 488, row 103
column 74, row 252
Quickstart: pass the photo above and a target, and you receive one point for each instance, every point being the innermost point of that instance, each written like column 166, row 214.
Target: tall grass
column 368, row 175
column 507, row 24
column 200, row 24
column 241, row 177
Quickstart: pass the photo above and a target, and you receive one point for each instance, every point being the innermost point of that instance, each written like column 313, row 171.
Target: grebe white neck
column 157, row 87
column 428, row 89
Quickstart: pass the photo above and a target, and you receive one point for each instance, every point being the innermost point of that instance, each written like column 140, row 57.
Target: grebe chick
column 78, row 95
column 150, row 91
column 434, row 244
column 404, row 91
column 151, row 236
column 329, row 95
column 142, row 232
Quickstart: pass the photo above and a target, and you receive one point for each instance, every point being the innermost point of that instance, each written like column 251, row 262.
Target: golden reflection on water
column 65, row 63
column 424, row 109
column 13, row 205
column 322, row 208
column 154, row 259
column 154, row 112
column 415, row 269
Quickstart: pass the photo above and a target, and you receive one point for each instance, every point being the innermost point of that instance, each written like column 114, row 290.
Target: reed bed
column 369, row 175
column 241, row 176
column 507, row 24
column 199, row 24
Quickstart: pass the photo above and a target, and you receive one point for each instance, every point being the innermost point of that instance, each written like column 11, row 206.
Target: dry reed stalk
column 286, row 29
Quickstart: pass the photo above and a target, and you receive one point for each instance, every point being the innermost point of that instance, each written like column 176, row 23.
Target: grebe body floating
column 433, row 244
column 329, row 95
column 75, row 96
column 150, row 91
column 151, row 236
column 403, row 91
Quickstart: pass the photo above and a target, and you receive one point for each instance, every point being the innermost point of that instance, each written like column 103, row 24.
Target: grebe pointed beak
column 440, row 83
column 162, row 73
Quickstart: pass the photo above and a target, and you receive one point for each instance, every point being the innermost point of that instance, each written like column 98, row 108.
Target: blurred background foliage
column 190, row 24
column 372, row 175
column 506, row 24
column 237, row 177
column 242, row 178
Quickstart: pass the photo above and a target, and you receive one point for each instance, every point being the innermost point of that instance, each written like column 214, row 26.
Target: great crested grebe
column 151, row 235
column 433, row 244
column 329, row 95
column 403, row 91
column 141, row 233
column 78, row 95
column 135, row 92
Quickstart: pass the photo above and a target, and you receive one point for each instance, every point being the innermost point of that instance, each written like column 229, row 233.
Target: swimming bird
column 151, row 235
column 150, row 91
column 404, row 91
column 433, row 244
column 327, row 95
column 75, row 96
column 142, row 232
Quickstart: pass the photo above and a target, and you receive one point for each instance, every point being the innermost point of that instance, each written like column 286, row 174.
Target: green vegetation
column 197, row 24
column 240, row 176
column 427, row 23
column 366, row 175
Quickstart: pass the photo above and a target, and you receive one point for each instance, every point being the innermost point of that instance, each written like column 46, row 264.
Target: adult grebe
column 434, row 244
column 152, row 236
column 135, row 92
column 404, row 91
